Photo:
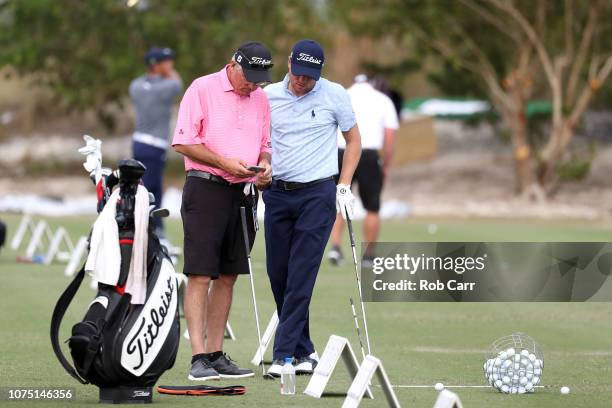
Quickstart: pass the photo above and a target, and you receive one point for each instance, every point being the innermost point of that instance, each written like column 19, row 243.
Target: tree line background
column 508, row 52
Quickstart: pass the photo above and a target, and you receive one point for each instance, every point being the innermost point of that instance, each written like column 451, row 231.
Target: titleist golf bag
column 124, row 348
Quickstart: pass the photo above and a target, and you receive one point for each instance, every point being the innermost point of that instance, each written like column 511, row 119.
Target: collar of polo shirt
column 225, row 82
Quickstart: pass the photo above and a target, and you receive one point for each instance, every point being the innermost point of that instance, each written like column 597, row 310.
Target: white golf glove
column 345, row 200
column 93, row 153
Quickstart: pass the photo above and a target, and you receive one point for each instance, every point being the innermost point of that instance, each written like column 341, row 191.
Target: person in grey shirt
column 153, row 95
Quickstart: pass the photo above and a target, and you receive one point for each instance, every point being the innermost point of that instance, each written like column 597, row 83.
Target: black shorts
column 369, row 178
column 214, row 241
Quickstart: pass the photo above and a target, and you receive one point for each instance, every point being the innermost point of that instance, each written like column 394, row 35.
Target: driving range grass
column 419, row 343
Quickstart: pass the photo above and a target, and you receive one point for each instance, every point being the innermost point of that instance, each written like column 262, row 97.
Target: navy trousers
column 297, row 226
column 154, row 160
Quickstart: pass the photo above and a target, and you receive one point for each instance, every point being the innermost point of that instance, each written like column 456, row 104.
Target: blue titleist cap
column 307, row 59
column 156, row 55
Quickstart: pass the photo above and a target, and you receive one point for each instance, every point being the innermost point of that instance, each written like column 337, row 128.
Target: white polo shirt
column 374, row 112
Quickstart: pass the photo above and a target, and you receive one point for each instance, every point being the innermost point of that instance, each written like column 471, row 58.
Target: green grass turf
column 419, row 343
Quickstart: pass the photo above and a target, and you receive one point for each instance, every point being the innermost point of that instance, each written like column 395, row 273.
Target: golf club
column 245, row 233
column 352, row 237
column 357, row 327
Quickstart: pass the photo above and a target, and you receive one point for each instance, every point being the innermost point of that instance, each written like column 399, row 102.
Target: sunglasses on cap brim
column 264, row 64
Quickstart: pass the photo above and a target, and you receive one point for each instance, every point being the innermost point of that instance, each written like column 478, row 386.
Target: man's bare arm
column 352, row 153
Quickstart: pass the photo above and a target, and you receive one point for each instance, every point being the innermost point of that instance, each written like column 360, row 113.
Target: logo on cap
column 260, row 61
column 308, row 58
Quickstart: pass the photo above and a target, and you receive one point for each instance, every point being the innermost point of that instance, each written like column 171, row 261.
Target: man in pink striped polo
column 223, row 128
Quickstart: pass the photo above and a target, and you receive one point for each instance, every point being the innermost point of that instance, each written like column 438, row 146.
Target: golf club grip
column 350, row 228
column 245, row 232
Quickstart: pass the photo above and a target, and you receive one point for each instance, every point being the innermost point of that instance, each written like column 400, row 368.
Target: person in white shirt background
column 377, row 121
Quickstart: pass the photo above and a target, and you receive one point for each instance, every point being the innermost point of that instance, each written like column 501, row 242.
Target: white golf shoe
column 306, row 365
column 275, row 369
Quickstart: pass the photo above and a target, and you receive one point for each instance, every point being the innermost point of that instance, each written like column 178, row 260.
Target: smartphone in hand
column 256, row 169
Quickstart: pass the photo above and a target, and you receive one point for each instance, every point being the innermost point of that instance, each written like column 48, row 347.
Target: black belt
column 211, row 177
column 293, row 185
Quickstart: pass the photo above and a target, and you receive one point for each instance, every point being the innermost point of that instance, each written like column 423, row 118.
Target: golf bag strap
column 58, row 314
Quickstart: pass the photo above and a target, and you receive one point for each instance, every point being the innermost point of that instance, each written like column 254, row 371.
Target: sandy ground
column 472, row 175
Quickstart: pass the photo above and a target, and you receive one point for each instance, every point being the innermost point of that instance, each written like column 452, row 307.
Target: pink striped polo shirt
column 232, row 126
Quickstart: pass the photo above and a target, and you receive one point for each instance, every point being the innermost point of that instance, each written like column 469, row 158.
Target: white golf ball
column 505, row 389
column 510, row 352
column 537, row 364
column 517, row 358
column 495, row 376
column 525, row 362
column 497, row 362
column 515, row 378
column 503, row 355
column 517, row 366
column 528, row 387
column 535, row 380
column 506, row 380
column 439, row 386
column 537, row 371
column 523, row 381
column 565, row 390
column 529, row 376
column 498, row 384
column 514, row 390
column 521, row 390
column 532, row 357
column 507, row 364
column 525, row 353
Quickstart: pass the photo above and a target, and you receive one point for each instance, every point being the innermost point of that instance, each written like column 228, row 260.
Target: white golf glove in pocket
column 345, row 200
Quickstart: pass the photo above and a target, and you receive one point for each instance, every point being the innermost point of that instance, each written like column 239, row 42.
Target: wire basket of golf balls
column 514, row 364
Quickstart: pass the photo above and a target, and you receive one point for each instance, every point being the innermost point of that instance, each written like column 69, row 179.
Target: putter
column 352, row 237
column 357, row 327
column 245, row 233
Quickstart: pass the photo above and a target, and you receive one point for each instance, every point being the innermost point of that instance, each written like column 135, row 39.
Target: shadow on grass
column 334, row 394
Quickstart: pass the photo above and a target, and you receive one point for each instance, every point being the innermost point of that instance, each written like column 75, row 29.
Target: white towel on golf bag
column 104, row 259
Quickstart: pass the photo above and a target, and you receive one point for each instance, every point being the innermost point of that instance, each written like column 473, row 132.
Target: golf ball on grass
column 565, row 390
column 439, row 386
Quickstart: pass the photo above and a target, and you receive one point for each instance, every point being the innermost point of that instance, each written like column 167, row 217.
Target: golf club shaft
column 365, row 321
column 357, row 327
column 248, row 252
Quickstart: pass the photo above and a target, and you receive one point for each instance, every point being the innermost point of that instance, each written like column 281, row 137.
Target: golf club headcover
column 201, row 390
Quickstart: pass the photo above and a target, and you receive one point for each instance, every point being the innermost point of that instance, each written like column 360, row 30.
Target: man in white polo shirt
column 377, row 121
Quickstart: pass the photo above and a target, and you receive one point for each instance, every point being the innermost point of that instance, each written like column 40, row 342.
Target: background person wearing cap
column 223, row 127
column 301, row 203
column 153, row 95
column 377, row 120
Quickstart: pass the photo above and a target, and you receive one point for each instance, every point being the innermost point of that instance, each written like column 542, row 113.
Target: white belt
column 150, row 140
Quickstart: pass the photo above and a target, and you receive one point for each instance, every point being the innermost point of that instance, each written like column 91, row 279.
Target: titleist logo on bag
column 145, row 339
